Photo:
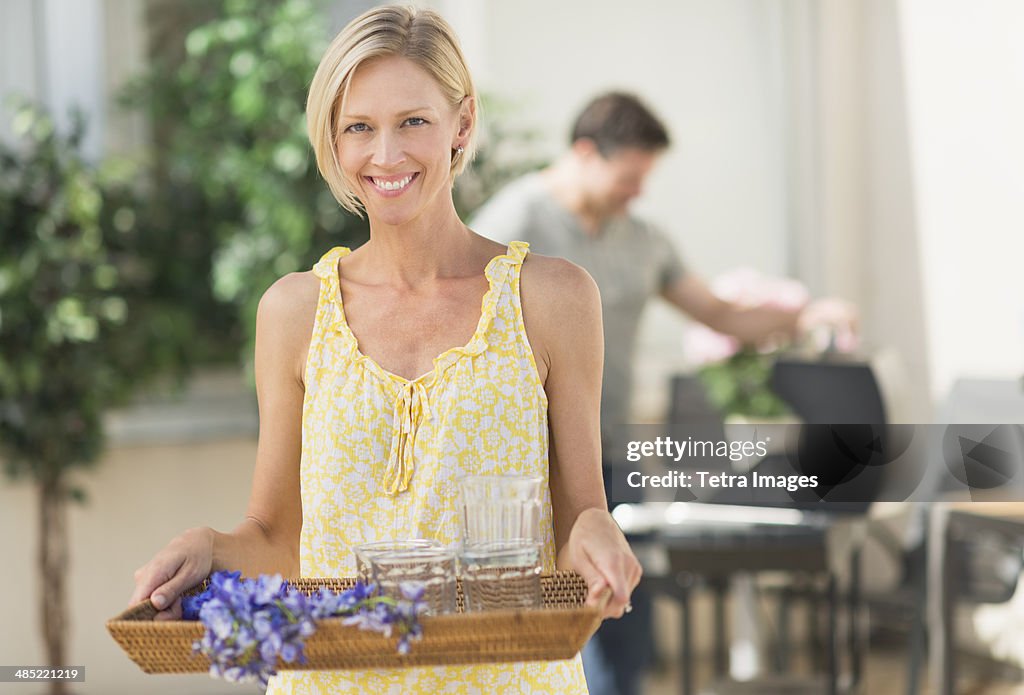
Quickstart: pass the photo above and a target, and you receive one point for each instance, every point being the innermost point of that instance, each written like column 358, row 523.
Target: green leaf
column 247, row 100
column 242, row 64
column 198, row 41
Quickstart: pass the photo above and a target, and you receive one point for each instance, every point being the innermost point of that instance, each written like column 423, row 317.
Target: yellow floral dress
column 381, row 455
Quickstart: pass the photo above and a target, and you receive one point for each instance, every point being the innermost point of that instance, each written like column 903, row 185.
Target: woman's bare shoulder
column 559, row 283
column 285, row 317
column 561, row 306
column 292, row 297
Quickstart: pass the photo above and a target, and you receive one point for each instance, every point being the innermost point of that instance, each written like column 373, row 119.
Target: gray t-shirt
column 629, row 260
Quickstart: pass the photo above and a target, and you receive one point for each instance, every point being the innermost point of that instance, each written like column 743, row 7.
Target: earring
column 459, row 150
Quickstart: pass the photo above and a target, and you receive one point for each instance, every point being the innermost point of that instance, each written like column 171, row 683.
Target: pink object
column 748, row 288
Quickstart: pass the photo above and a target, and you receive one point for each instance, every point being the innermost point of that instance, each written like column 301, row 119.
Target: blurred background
column 156, row 179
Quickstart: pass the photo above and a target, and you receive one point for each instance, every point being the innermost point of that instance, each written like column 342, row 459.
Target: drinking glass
column 366, row 551
column 500, row 508
column 431, row 568
column 500, row 575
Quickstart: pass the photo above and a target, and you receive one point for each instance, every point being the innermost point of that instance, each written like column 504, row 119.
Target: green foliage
column 235, row 170
column 76, row 304
column 739, row 385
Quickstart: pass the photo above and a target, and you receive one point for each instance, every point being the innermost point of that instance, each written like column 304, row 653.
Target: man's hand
column 830, row 324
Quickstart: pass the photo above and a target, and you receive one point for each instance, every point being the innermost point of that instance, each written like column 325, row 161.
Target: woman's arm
column 267, row 540
column 562, row 307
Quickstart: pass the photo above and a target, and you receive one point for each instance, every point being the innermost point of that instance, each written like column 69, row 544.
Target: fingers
column 597, row 587
column 182, row 564
column 151, row 576
column 621, row 570
column 600, row 553
column 170, row 591
column 172, row 613
column 839, row 316
column 616, row 570
column 593, row 577
column 636, row 574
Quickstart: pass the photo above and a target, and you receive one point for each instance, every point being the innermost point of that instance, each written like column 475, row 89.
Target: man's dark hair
column 616, row 120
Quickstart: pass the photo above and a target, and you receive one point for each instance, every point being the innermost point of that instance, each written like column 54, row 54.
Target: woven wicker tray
column 557, row 631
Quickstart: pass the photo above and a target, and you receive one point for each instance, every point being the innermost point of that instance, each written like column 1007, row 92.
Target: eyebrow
column 359, row 117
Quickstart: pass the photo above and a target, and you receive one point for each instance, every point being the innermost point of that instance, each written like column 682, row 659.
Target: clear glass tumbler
column 500, row 508
column 365, row 551
column 499, row 575
column 431, row 568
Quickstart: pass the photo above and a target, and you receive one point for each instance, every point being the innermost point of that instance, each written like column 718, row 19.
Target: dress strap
column 327, row 267
column 517, row 251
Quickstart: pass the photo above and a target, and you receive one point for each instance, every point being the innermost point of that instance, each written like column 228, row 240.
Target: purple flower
column 251, row 623
column 291, row 652
column 190, row 605
column 268, row 588
column 376, row 619
column 413, row 591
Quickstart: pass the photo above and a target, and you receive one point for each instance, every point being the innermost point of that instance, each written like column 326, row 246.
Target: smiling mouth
column 392, row 185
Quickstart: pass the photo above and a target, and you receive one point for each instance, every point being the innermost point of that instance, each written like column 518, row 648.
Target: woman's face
column 396, row 133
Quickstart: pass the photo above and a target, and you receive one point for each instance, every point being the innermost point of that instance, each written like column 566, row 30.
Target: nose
column 387, row 150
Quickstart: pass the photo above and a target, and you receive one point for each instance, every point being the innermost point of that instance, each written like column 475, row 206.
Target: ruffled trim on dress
column 412, row 397
column 497, row 272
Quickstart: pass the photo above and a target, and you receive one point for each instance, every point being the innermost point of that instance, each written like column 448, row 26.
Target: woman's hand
column 599, row 552
column 182, row 564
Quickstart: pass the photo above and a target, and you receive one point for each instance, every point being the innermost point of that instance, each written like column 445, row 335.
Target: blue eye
column 415, row 120
column 357, row 128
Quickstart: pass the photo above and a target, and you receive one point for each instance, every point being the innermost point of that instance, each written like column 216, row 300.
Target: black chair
column 842, row 406
column 846, row 397
column 844, row 440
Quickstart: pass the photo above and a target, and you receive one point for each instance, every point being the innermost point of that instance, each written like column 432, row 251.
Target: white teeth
column 393, row 185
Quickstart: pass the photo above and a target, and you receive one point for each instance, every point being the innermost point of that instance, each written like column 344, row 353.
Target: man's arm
column 749, row 324
column 757, row 324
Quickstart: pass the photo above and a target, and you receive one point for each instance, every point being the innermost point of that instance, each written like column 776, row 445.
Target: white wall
column 20, row 62
column 124, row 57
column 75, row 53
column 965, row 79
column 72, row 48
column 713, row 73
column 139, row 498
column 708, row 69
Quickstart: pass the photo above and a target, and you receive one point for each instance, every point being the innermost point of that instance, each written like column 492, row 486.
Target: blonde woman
column 430, row 352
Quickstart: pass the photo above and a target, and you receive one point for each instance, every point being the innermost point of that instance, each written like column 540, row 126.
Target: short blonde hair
column 422, row 36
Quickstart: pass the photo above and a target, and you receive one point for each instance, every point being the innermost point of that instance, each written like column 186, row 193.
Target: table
column 949, row 526
column 716, row 541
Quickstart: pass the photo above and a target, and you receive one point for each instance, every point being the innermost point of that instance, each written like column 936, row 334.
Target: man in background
column 578, row 209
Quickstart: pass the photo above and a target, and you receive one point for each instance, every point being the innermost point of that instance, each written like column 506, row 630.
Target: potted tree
column 75, row 294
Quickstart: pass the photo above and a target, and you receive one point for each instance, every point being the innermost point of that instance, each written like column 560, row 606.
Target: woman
column 368, row 415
